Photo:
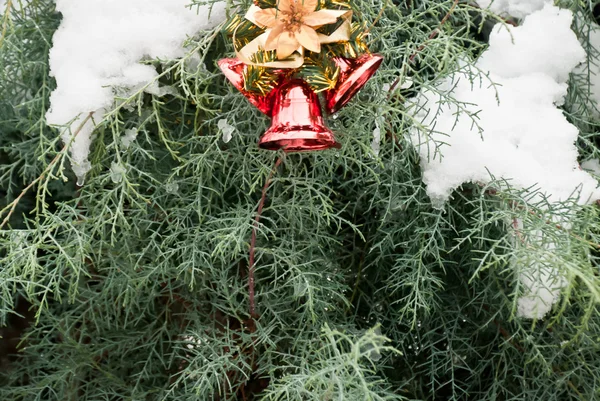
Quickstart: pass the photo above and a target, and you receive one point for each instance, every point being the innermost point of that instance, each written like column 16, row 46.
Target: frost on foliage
column 376, row 142
column 172, row 188
column 226, row 129
column 514, row 8
column 117, row 172
column 506, row 126
column 128, row 137
column 97, row 50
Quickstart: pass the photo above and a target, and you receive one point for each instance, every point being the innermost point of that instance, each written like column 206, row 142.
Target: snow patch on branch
column 514, row 8
column 507, row 124
column 535, row 262
column 501, row 122
column 97, row 50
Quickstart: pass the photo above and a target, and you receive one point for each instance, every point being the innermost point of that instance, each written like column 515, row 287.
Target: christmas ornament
column 287, row 52
column 354, row 74
column 297, row 123
column 234, row 69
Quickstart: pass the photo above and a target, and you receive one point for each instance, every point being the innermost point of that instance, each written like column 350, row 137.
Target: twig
column 48, row 168
column 436, row 31
column 504, row 332
column 261, row 204
column 5, row 20
column 361, row 264
column 376, row 19
column 507, row 336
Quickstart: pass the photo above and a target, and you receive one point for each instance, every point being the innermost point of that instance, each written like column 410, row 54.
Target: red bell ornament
column 234, row 69
column 297, row 123
column 354, row 74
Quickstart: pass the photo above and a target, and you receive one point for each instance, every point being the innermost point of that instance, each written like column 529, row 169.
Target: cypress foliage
column 134, row 285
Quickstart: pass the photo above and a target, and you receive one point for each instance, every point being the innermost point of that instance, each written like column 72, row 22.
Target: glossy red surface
column 234, row 72
column 297, row 124
column 354, row 74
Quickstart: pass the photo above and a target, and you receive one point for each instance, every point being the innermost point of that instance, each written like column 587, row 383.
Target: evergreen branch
column 431, row 36
column 149, row 300
column 11, row 206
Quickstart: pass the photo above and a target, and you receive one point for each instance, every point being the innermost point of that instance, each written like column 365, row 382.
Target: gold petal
column 308, row 38
column 286, row 45
column 284, row 5
column 319, row 18
column 271, row 41
column 307, row 6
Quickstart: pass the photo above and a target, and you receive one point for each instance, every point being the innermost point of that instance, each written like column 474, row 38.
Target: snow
column 592, row 165
column 376, row 142
column 128, row 137
column 537, row 272
column 172, row 188
column 514, row 8
column 543, row 292
column 15, row 5
column 117, row 172
column 97, row 49
column 506, row 126
column 226, row 129
column 525, row 138
column 544, row 44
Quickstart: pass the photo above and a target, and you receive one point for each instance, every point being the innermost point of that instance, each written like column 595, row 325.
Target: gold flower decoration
column 292, row 24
